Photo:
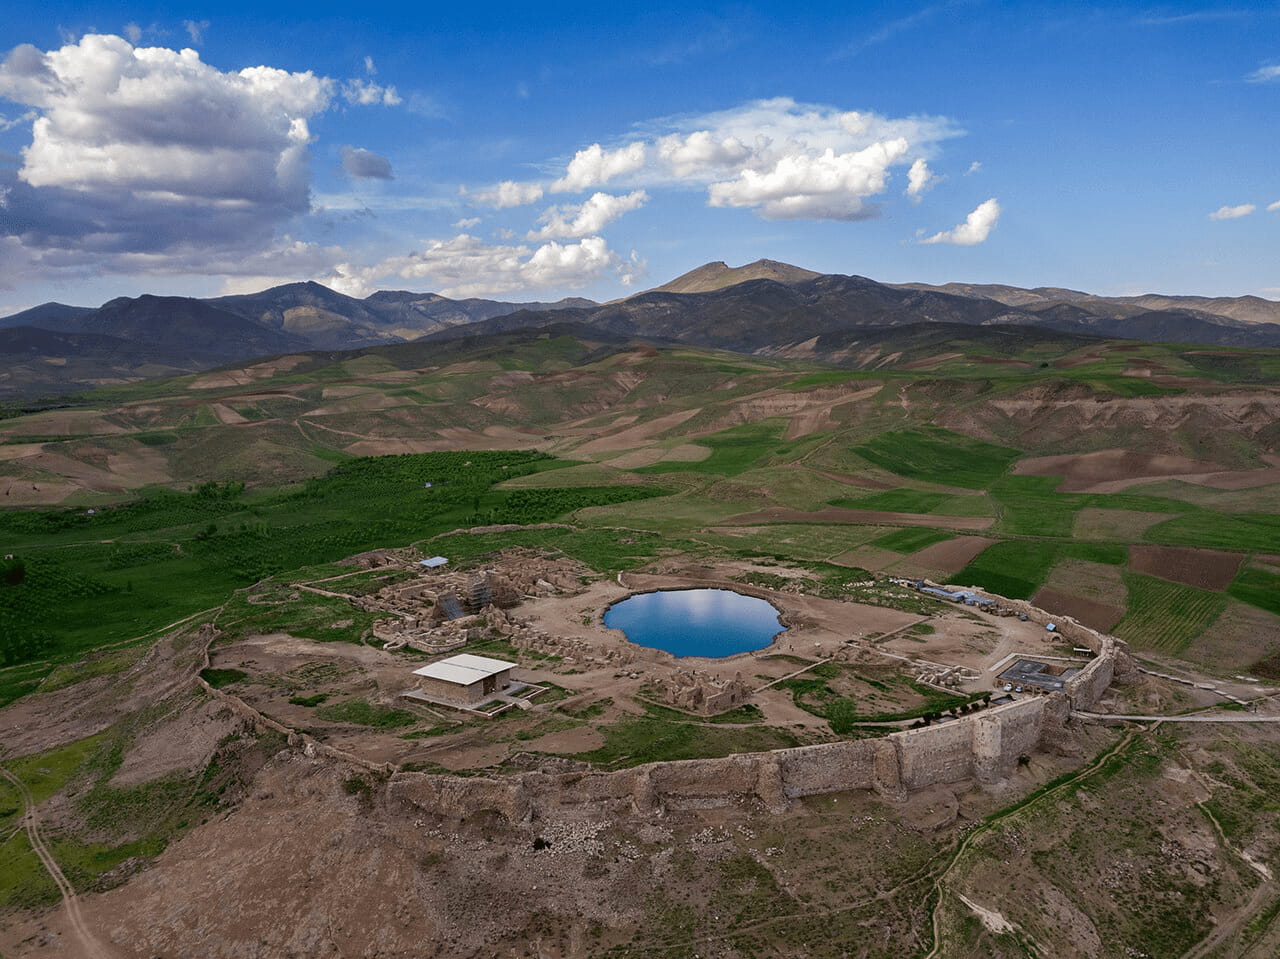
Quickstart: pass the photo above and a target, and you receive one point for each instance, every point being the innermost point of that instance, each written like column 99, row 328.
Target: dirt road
column 90, row 947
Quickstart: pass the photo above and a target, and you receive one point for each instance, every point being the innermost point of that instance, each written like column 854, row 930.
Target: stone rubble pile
column 697, row 692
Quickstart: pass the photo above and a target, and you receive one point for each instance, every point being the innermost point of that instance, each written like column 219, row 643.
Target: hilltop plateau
column 212, row 605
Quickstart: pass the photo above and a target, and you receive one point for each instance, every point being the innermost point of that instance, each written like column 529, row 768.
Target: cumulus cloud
column 467, row 266
column 586, row 218
column 136, row 147
column 829, row 186
column 361, row 164
column 975, row 229
column 506, row 194
column 1265, row 74
column 699, row 151
column 595, row 166
column 781, row 158
column 1232, row 212
column 467, row 223
column 367, row 93
column 195, row 29
column 1273, row 207
column 919, row 179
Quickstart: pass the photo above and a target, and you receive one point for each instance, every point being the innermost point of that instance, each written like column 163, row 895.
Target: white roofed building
column 465, row 679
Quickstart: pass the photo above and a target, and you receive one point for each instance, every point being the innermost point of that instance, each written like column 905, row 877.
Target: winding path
column 31, row 821
column 1215, row 718
column 939, row 885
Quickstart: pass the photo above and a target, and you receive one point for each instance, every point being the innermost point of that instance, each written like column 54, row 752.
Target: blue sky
column 537, row 151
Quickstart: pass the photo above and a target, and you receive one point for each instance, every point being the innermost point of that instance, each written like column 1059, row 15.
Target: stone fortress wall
column 985, row 746
column 1111, row 655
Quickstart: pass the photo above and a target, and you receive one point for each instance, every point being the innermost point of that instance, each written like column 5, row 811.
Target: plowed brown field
column 1099, row 616
column 1203, row 568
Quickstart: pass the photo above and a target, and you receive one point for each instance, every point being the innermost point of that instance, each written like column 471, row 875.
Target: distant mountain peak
column 718, row 275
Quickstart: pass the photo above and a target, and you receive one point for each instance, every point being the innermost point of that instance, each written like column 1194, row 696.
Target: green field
column 733, row 451
column 1248, row 531
column 938, row 456
column 1259, row 587
column 896, row 501
column 79, row 581
column 1166, row 616
column 87, row 580
column 911, row 540
column 1017, row 568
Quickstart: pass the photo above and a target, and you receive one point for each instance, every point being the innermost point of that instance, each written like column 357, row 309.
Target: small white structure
column 435, row 562
column 465, row 679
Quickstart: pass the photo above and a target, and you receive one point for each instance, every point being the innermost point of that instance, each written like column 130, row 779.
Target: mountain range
column 763, row 307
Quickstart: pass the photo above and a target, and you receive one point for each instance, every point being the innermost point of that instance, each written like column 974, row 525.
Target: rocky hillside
column 764, row 307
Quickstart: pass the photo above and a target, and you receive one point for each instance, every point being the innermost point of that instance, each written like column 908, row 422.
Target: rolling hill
column 765, row 308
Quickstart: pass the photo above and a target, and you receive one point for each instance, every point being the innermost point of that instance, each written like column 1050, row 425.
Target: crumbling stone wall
column 309, row 745
column 1004, row 735
column 985, row 746
column 1111, row 655
column 576, row 651
column 835, row 767
column 698, row 692
column 934, row 754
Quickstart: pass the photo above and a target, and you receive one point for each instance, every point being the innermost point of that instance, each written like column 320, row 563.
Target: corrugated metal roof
column 464, row 669
column 433, row 562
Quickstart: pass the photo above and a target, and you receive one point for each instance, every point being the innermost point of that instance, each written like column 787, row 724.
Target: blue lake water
column 696, row 622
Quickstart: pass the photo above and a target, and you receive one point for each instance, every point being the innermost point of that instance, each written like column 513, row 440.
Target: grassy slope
column 90, row 581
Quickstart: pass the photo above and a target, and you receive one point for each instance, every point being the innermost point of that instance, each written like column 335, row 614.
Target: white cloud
column 595, row 166
column 195, row 29
column 1273, row 207
column 6, row 124
column 136, row 131
column 467, row 266
column 1265, row 74
column 467, row 223
column 361, row 164
column 636, row 268
column 150, row 161
column 369, row 66
column 828, row 186
column 782, row 158
column 506, row 194
column 587, row 218
column 1232, row 212
column 974, row 167
column 133, row 32
column 975, row 229
column 700, row 150
column 919, row 179
column 367, row 93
